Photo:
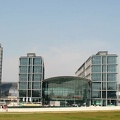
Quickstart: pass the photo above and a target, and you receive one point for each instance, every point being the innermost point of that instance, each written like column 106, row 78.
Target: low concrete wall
column 69, row 109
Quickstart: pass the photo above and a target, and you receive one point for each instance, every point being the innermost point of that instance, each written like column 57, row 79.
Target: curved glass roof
column 65, row 78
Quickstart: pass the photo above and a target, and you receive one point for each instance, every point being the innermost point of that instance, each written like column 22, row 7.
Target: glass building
column 102, row 70
column 66, row 91
column 8, row 92
column 31, row 75
column 1, row 58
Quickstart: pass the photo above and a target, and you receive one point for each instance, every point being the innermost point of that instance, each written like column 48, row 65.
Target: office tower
column 31, row 75
column 102, row 70
column 1, row 58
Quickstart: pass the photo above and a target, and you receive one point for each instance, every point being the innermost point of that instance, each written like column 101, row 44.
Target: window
column 36, row 85
column 37, row 77
column 111, row 60
column 96, row 94
column 103, row 60
column 23, row 61
column 37, row 61
column 96, row 60
column 96, row 77
column 104, row 85
column 111, row 86
column 23, row 85
column 111, row 77
column 104, row 68
column 103, row 77
column 96, row 68
column 111, row 68
column 23, row 77
column 96, row 86
column 23, row 69
column 37, row 69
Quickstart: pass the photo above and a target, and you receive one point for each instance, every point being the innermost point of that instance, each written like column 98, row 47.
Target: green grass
column 111, row 115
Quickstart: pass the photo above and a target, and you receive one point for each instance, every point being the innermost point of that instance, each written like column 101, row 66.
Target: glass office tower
column 102, row 70
column 31, row 75
column 1, row 58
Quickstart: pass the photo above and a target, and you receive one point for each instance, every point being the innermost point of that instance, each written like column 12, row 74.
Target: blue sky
column 64, row 32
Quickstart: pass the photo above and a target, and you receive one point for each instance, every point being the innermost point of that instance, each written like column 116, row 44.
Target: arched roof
column 65, row 78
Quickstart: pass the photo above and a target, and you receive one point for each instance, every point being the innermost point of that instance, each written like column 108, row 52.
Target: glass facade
column 103, row 73
column 9, row 92
column 31, row 75
column 66, row 89
column 104, row 80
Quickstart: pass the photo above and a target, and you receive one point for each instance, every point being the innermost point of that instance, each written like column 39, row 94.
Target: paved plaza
column 66, row 109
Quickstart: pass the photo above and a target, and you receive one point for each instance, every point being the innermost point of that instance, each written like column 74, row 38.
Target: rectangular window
column 30, row 61
column 36, row 85
column 103, row 77
column 23, row 77
column 104, row 60
column 96, row 94
column 111, row 77
column 111, row 68
column 96, row 86
column 111, row 60
column 112, row 86
column 37, row 77
column 23, row 61
column 23, row 85
column 36, row 93
column 37, row 69
column 96, row 60
column 37, row 61
column 30, row 69
column 96, row 77
column 23, row 69
column 96, row 68
column 22, row 93
column 104, row 85
column 104, row 68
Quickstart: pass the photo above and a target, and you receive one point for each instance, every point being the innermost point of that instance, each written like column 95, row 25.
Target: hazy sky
column 64, row 32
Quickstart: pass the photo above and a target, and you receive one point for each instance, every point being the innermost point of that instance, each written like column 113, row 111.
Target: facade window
column 36, row 93
column 37, row 69
column 22, row 93
column 24, row 61
column 96, row 86
column 23, row 69
column 30, row 61
column 104, row 68
column 23, row 77
column 96, row 94
column 103, row 77
column 111, row 68
column 36, row 85
column 37, row 77
column 23, row 85
column 96, row 60
column 96, row 77
column 111, row 94
column 111, row 86
column 111, row 77
column 30, row 69
column 37, row 61
column 111, row 60
column 96, row 68
column 104, row 60
column 104, row 85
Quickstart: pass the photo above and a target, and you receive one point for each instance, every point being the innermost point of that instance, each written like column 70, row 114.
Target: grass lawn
column 111, row 115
